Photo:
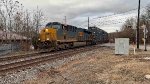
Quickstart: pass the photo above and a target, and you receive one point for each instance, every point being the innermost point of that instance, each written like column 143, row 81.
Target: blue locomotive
column 60, row 36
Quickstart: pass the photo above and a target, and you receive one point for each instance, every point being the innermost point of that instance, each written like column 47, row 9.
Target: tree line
column 16, row 19
column 128, row 29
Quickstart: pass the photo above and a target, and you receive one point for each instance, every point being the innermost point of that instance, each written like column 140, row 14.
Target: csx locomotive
column 60, row 36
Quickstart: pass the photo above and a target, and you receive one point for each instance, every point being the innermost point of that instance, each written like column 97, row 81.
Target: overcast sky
column 77, row 11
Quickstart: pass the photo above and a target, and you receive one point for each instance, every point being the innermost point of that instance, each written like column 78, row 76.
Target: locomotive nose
column 48, row 34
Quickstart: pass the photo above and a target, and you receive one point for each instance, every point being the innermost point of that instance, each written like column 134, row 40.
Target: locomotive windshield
column 51, row 25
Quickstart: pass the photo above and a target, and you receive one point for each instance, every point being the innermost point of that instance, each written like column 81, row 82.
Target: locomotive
column 61, row 36
column 100, row 36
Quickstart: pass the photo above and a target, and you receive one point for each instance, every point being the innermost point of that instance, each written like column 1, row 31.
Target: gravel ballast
column 31, row 74
column 98, row 66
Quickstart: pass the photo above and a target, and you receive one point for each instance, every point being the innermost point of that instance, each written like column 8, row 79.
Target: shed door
column 121, row 47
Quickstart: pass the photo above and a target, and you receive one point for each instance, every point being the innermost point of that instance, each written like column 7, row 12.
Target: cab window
column 53, row 26
column 56, row 26
column 49, row 25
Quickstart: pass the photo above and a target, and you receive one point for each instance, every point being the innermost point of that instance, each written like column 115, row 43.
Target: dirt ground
column 99, row 67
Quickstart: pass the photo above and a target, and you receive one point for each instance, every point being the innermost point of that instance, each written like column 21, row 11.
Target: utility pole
column 138, row 24
column 65, row 20
column 145, row 38
column 88, row 22
column 65, row 28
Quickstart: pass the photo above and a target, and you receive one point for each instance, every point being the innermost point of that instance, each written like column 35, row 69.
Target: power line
column 108, row 22
column 120, row 13
column 115, row 14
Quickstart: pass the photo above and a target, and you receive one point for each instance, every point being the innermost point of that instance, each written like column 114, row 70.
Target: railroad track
column 24, row 62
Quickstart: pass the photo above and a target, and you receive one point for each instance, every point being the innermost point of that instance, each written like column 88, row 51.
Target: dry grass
column 100, row 67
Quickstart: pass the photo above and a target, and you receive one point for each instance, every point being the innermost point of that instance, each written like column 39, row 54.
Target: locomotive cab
column 48, row 34
column 47, row 37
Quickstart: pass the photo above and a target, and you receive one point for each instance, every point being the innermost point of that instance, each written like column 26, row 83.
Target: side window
column 70, row 28
column 63, row 27
column 67, row 28
column 73, row 29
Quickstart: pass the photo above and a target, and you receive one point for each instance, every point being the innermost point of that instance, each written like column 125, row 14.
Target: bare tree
column 10, row 10
column 37, row 18
column 127, row 28
column 15, row 19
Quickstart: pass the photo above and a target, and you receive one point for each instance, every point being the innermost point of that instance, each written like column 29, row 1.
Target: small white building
column 122, row 46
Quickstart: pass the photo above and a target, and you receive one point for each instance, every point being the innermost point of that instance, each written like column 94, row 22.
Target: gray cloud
column 77, row 11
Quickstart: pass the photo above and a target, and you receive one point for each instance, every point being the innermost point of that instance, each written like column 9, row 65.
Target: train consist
column 60, row 36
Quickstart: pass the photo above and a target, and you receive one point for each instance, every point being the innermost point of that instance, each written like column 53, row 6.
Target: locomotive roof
column 96, row 28
column 58, row 23
column 55, row 23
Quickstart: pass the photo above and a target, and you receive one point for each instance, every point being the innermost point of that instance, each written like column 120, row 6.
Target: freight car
column 60, row 36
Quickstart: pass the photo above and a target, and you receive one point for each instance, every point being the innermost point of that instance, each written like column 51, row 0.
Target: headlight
column 47, row 39
column 46, row 30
